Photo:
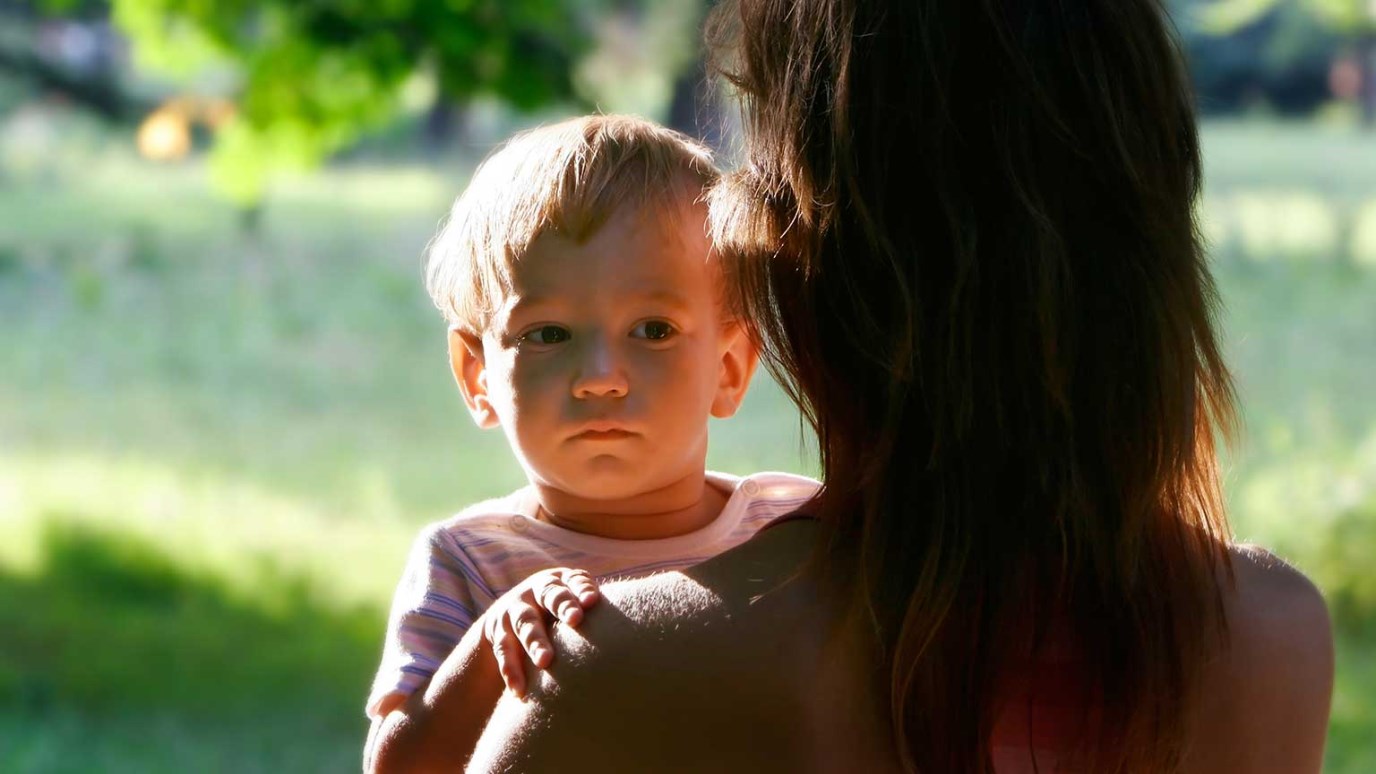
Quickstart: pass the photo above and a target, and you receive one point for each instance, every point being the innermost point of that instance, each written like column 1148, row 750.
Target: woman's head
column 967, row 232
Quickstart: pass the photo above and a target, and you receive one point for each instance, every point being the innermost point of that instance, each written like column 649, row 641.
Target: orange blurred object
column 165, row 135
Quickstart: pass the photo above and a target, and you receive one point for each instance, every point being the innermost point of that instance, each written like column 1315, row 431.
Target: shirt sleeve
column 440, row 594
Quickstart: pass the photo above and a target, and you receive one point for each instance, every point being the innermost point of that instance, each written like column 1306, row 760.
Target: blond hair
column 568, row 179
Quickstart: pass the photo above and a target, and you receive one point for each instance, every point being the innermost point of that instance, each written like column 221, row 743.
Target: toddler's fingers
column 527, row 621
column 561, row 603
column 582, row 586
column 506, row 649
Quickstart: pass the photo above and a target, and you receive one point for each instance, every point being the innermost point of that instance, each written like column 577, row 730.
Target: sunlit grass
column 121, row 656
column 213, row 526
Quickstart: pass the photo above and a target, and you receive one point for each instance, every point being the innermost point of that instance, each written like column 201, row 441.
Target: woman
column 966, row 232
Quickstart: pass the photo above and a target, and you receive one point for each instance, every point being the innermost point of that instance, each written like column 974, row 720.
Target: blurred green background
column 225, row 407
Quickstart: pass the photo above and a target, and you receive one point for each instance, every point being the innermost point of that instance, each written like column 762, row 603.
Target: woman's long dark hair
column 965, row 232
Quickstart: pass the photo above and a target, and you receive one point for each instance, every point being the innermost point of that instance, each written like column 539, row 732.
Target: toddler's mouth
column 603, row 435
column 603, row 431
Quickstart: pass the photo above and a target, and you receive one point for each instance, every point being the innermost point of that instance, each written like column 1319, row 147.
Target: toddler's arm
column 437, row 728
column 439, row 596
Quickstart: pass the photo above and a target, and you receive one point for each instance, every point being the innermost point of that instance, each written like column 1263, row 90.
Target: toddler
column 587, row 321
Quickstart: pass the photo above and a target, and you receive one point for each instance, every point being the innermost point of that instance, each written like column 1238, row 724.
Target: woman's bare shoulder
column 1265, row 700
column 677, row 666
column 1277, row 610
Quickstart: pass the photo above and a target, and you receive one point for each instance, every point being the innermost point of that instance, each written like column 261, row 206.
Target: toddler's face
column 605, row 361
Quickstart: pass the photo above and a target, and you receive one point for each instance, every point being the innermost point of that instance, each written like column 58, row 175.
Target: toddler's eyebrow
column 514, row 305
column 518, row 303
column 665, row 297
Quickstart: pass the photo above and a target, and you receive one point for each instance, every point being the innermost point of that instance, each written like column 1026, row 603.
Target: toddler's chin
column 602, row 480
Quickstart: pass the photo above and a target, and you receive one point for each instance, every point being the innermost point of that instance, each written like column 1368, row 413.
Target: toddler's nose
column 601, row 375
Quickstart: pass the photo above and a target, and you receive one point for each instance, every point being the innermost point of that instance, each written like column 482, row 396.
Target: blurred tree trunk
column 446, row 125
column 1366, row 60
column 693, row 108
column 251, row 219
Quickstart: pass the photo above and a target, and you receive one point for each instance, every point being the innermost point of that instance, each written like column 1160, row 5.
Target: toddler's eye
column 546, row 334
column 654, row 330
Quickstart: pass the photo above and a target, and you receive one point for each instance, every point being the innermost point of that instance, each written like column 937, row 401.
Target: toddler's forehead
column 681, row 228
column 665, row 233
column 657, row 246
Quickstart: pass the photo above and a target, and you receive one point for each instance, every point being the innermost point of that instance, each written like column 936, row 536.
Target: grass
column 215, row 448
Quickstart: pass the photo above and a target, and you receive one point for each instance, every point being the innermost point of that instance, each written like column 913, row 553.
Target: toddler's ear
column 738, row 360
column 470, row 371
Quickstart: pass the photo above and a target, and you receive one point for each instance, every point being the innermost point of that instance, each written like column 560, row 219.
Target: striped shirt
column 458, row 567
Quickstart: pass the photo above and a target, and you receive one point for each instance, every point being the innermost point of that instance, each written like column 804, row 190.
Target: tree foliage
column 1351, row 21
column 1280, row 59
column 1344, row 16
column 313, row 75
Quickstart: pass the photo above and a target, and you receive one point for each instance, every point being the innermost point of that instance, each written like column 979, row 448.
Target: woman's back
column 729, row 667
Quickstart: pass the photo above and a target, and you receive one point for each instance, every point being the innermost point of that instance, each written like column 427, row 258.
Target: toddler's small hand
column 515, row 626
